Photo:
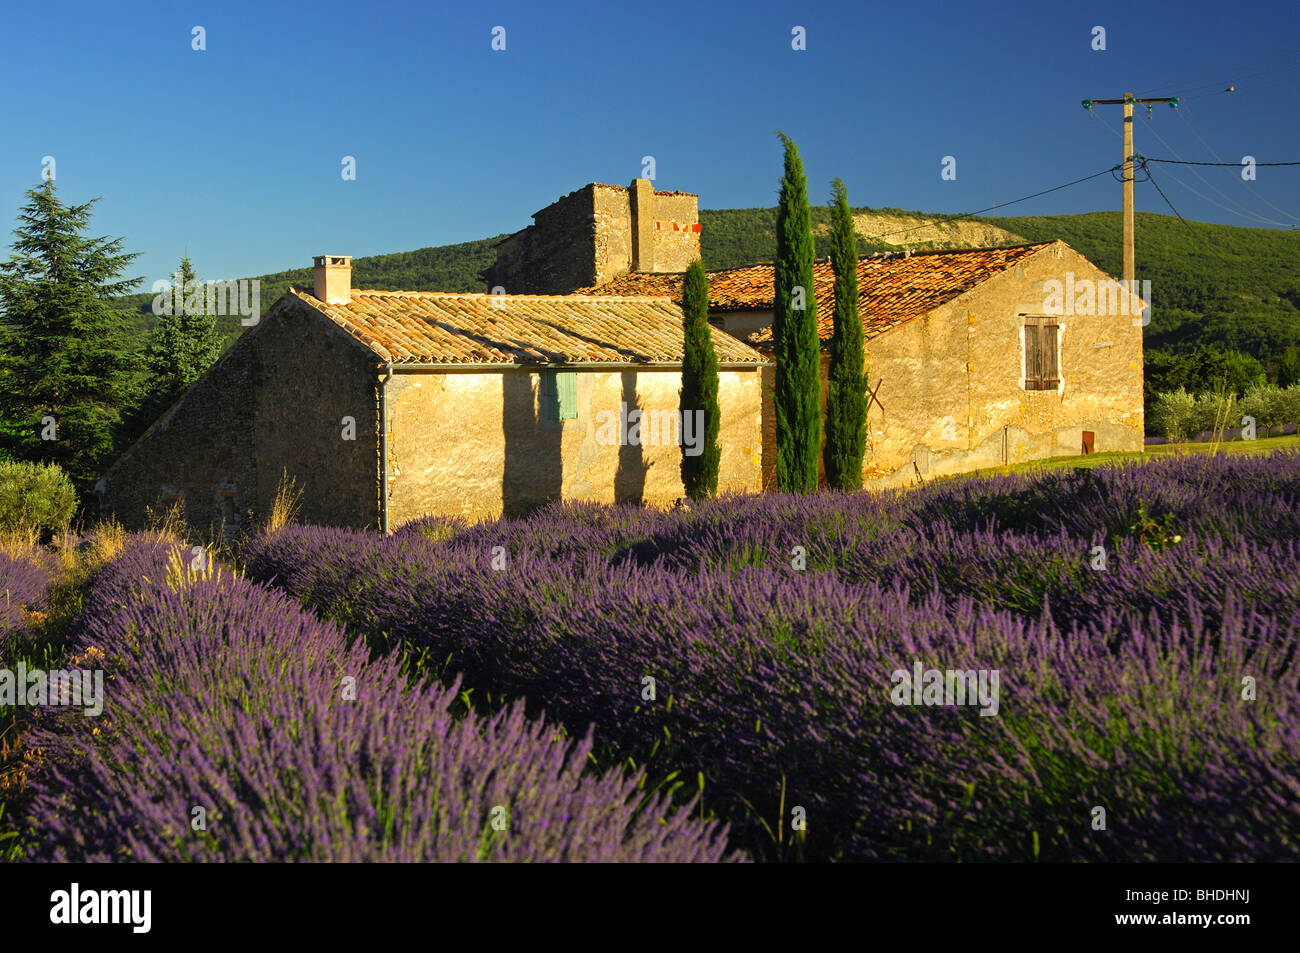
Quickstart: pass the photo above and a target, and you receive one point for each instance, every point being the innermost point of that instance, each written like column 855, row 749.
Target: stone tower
column 597, row 233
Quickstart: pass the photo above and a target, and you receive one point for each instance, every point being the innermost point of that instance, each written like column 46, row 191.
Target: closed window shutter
column 547, row 398
column 567, row 394
column 1031, row 356
column 1050, row 372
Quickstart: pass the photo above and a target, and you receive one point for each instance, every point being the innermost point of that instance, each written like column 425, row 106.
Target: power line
column 1096, row 115
column 1152, row 180
column 1233, row 89
column 1237, row 79
column 1205, row 198
column 1235, row 165
column 1241, row 210
column 1188, row 225
column 1253, row 192
column 1228, row 73
column 903, row 231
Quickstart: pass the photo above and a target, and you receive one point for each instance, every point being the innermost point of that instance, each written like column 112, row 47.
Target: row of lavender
column 237, row 726
column 1149, row 698
column 26, row 584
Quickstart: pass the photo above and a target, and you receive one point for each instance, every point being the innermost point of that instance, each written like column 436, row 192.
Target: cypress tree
column 846, row 403
column 66, row 365
column 699, row 384
column 797, row 397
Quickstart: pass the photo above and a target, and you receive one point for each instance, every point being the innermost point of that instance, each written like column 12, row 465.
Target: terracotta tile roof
column 891, row 288
column 419, row 327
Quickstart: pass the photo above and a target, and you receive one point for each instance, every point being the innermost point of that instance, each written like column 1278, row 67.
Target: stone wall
column 612, row 236
column 676, row 234
column 952, row 381
column 478, row 444
column 554, row 255
column 273, row 403
column 316, row 375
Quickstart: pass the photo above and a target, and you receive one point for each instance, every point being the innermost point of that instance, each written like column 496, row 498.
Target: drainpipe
column 383, row 449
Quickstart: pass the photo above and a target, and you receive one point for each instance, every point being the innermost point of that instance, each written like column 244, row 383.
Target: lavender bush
column 1122, row 687
column 25, row 585
column 229, row 698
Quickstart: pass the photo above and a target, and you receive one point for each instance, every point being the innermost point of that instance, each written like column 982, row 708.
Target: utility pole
column 1127, row 102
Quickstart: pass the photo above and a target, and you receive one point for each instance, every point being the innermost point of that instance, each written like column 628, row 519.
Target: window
column 226, row 505
column 558, row 397
column 1041, row 372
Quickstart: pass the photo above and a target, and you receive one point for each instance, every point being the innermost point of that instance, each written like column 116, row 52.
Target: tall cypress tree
column 794, row 329
column 66, row 365
column 846, row 402
column 699, row 384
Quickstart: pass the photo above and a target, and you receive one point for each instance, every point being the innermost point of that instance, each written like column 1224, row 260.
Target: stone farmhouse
column 563, row 381
column 479, row 404
column 968, row 364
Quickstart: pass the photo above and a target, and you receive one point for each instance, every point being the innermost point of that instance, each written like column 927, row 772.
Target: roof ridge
column 487, row 295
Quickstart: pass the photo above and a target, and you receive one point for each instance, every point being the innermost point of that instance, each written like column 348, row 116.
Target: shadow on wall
column 629, row 478
column 533, row 472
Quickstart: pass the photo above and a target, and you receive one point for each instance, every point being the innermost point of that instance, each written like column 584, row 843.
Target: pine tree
column 846, row 403
column 185, row 342
column 797, row 398
column 66, row 365
column 699, row 384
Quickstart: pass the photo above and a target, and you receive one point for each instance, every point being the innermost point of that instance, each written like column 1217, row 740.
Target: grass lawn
column 1154, row 452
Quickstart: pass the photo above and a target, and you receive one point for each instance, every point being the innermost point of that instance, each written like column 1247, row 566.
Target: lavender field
column 704, row 684
column 1121, row 687
column 226, row 697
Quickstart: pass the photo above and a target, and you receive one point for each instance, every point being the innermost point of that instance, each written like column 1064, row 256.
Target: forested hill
column 1219, row 285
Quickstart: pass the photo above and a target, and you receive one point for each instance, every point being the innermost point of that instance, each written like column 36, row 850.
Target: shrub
column 1179, row 415
column 35, row 497
column 1288, row 405
column 1172, row 414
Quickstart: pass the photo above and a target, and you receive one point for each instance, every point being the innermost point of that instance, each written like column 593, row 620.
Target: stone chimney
column 332, row 278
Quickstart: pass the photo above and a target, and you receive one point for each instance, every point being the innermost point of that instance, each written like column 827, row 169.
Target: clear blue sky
column 234, row 152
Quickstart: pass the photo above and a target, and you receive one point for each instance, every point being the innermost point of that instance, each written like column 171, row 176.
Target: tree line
column 76, row 386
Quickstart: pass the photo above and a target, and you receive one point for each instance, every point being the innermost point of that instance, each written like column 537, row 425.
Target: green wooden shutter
column 566, row 385
column 546, row 397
